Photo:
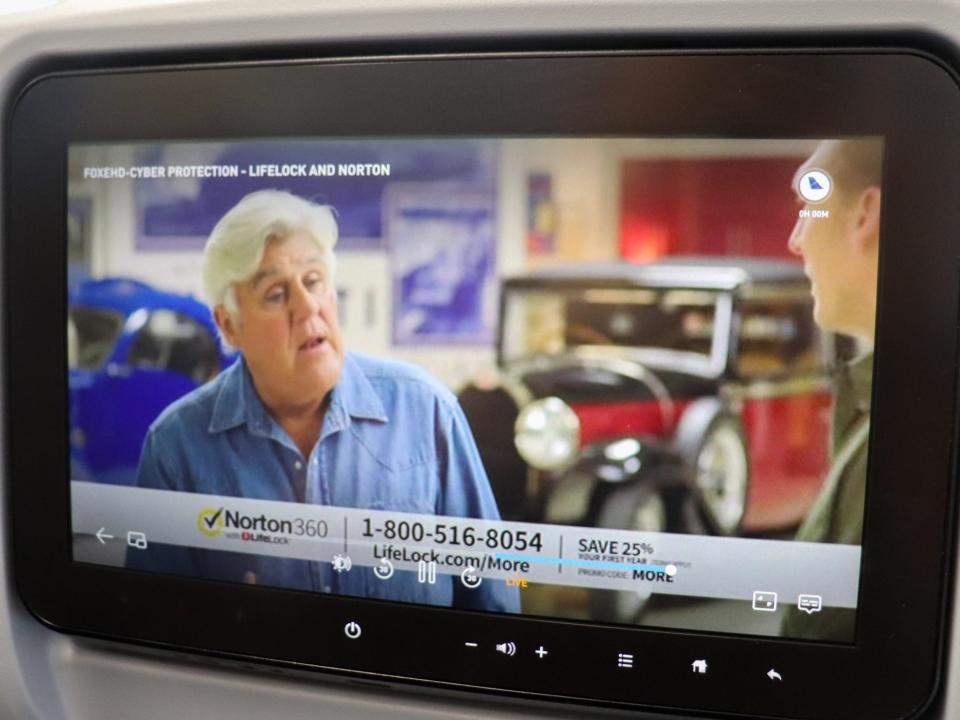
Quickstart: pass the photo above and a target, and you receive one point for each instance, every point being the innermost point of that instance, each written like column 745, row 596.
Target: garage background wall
column 610, row 198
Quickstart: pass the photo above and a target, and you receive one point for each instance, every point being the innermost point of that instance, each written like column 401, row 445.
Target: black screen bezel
column 909, row 100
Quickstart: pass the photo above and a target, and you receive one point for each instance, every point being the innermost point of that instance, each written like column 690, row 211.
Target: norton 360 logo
column 254, row 528
column 210, row 521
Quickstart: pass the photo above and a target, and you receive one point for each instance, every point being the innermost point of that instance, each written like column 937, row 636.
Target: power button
column 352, row 630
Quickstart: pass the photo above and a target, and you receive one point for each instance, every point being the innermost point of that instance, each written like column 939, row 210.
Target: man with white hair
column 299, row 419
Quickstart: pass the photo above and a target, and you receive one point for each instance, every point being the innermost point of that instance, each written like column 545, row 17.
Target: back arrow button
column 102, row 536
column 774, row 675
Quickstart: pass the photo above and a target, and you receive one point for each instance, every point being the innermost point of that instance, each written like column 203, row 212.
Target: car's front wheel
column 722, row 473
column 640, row 508
column 712, row 444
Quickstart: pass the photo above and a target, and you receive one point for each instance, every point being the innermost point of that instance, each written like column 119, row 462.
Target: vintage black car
column 685, row 395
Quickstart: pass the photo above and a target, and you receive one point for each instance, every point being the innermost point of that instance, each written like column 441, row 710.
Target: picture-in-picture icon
column 764, row 601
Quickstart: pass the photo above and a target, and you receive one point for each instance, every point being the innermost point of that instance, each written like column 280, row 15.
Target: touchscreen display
column 614, row 380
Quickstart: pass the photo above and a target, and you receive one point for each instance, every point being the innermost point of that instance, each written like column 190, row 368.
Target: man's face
column 828, row 252
column 287, row 326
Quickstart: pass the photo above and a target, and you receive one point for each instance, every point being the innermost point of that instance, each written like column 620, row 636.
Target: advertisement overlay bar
column 475, row 550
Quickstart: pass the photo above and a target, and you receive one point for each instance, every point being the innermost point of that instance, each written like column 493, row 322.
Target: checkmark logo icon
column 210, row 521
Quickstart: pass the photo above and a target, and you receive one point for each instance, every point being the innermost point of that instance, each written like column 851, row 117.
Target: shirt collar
column 229, row 410
column 860, row 372
column 354, row 394
column 237, row 401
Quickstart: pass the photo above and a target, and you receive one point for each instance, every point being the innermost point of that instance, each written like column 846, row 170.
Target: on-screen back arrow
column 102, row 536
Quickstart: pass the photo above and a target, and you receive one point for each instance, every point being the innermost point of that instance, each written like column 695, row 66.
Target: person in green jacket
column 837, row 235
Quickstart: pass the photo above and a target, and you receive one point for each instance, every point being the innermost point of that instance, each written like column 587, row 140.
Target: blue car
column 132, row 350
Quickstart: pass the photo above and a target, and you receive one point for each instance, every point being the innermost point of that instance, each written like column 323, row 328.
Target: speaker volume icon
column 507, row 648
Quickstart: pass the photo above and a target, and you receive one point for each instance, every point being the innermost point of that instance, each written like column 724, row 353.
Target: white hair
column 235, row 247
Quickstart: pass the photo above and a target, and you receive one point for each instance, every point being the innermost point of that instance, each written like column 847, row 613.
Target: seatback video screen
column 615, row 380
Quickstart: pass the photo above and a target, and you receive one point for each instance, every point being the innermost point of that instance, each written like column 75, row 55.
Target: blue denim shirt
column 392, row 438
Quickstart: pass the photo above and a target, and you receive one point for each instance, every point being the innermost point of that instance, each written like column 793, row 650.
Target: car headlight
column 547, row 434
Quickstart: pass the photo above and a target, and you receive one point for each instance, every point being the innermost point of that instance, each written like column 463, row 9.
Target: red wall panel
column 738, row 206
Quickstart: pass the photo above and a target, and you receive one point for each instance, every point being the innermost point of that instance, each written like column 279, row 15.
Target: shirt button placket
column 318, row 477
column 301, row 487
column 319, row 495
